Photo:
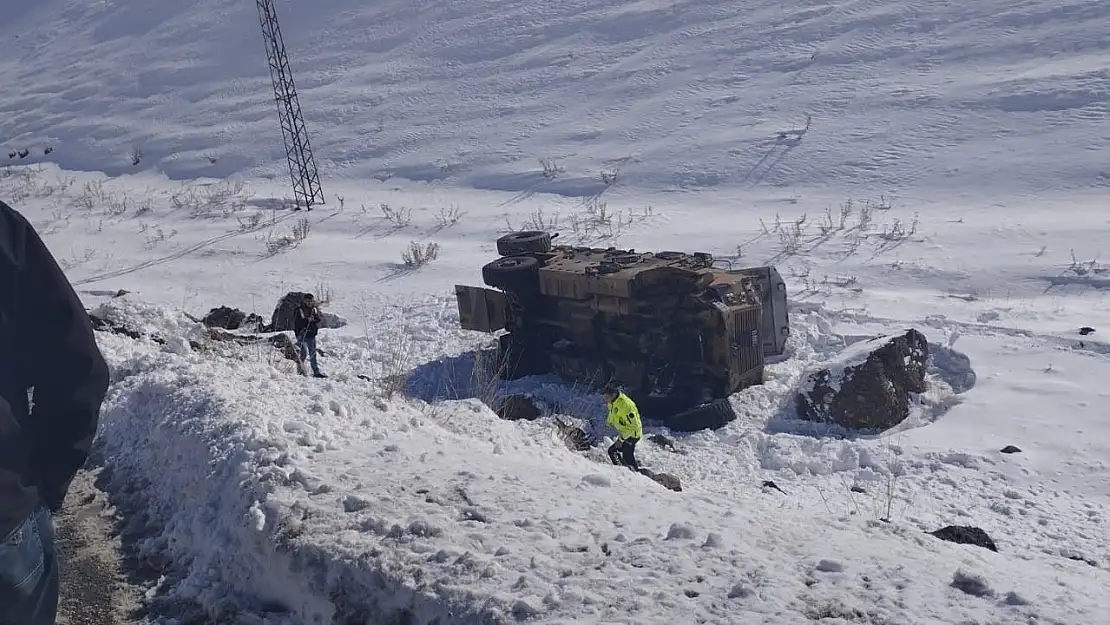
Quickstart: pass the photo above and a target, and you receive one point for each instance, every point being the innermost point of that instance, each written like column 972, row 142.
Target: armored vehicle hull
column 676, row 332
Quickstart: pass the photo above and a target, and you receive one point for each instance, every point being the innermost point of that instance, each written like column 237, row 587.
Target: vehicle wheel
column 524, row 242
column 511, row 272
column 670, row 255
column 711, row 415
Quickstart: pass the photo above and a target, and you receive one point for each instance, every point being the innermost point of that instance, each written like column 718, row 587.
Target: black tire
column 670, row 255
column 511, row 273
column 708, row 416
column 524, row 242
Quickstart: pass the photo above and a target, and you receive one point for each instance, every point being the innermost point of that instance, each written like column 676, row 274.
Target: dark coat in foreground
column 53, row 377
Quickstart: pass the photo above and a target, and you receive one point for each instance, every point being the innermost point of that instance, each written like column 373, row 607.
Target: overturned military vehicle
column 675, row 331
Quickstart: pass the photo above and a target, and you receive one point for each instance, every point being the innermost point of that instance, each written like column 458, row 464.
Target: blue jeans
column 307, row 348
column 29, row 572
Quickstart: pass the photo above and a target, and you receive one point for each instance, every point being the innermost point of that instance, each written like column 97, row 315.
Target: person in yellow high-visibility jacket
column 624, row 417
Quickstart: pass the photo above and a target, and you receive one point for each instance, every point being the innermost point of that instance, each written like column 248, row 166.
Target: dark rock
column 664, row 442
column 285, row 312
column 666, row 480
column 965, row 535
column 104, row 325
column 516, row 407
column 107, row 325
column 255, row 323
column 1087, row 561
column 1010, row 449
column 973, row 585
column 1085, row 330
column 868, row 386
column 225, row 317
column 573, row 436
column 770, row 484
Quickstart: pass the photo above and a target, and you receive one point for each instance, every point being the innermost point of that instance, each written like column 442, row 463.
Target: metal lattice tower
column 302, row 165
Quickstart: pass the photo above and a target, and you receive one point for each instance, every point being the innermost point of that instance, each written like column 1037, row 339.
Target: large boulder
column 285, row 313
column 869, row 385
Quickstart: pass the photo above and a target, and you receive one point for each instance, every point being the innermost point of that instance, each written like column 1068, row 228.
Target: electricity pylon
column 302, row 165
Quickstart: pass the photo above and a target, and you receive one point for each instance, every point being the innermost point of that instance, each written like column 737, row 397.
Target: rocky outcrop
column 869, row 385
column 232, row 319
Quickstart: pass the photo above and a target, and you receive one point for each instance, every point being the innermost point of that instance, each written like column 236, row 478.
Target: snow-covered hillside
column 905, row 97
column 952, row 179
column 312, row 501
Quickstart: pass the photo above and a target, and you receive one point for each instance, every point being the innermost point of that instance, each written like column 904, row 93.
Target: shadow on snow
column 473, row 375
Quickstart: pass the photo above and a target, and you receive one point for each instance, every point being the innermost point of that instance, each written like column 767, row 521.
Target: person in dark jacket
column 53, row 380
column 306, row 324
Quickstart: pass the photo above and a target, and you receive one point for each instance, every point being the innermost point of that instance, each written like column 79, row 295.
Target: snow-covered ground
column 952, row 178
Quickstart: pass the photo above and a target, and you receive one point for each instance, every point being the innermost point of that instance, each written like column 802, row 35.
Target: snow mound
column 137, row 315
column 324, row 501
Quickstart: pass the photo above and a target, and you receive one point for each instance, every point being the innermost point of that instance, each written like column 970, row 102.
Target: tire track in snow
column 94, row 590
column 178, row 255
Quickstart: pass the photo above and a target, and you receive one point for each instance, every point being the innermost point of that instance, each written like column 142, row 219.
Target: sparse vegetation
column 393, row 374
column 594, row 223
column 76, row 260
column 324, row 293
column 610, row 175
column 156, row 236
column 277, row 244
column 399, row 217
column 420, row 254
column 550, row 168
column 448, row 216
column 250, row 222
column 219, row 199
column 1087, row 268
column 854, row 221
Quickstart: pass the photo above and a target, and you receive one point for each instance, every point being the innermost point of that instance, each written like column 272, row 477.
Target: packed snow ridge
column 333, row 501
